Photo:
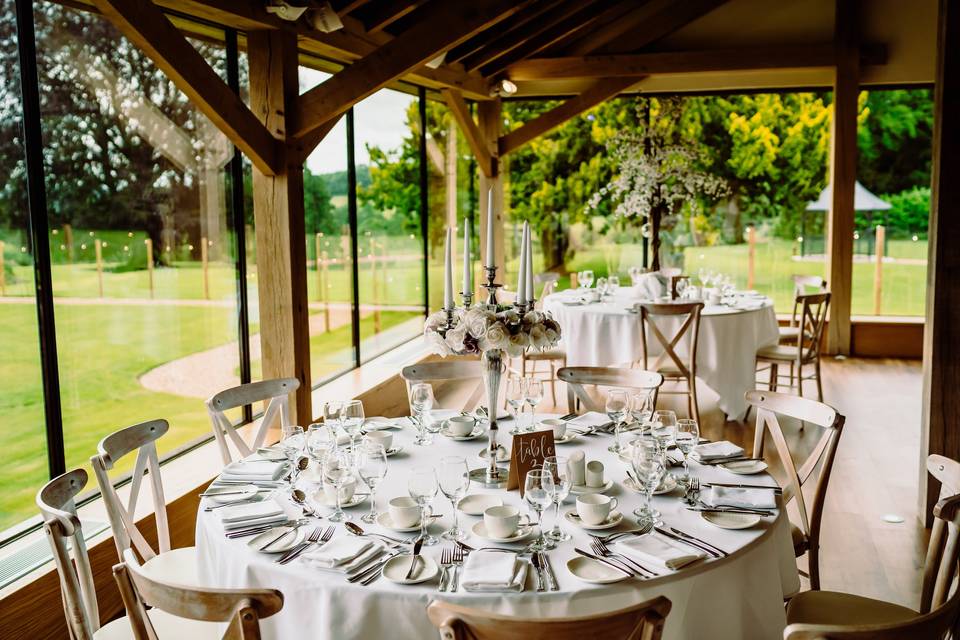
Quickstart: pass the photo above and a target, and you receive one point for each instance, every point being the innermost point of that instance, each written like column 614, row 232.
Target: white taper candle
column 448, row 271
column 531, row 292
column 491, row 254
column 467, row 261
column 521, row 275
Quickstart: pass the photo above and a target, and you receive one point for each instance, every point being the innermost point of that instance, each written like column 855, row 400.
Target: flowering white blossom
column 518, row 344
column 455, row 337
column 436, row 343
column 477, row 320
column 538, row 337
column 496, row 337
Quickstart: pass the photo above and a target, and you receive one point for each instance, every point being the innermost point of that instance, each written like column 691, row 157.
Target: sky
column 380, row 121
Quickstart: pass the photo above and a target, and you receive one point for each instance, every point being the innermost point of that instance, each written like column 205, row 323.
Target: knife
column 743, row 486
column 550, row 574
column 604, row 561
column 415, row 556
column 538, row 571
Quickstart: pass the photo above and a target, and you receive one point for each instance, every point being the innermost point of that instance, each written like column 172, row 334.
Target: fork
column 458, row 554
column 644, row 528
column 446, row 559
column 600, row 547
column 315, row 538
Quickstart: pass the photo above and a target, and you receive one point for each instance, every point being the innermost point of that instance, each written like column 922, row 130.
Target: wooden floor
column 875, row 474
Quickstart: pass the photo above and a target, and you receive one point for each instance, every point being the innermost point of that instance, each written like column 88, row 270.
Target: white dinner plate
column 502, row 454
column 480, row 530
column 396, row 569
column 668, row 484
column 476, row 504
column 287, row 540
column 730, row 520
column 384, row 520
column 612, row 520
column 234, row 493
column 594, row 571
column 354, row 501
column 745, row 467
column 476, row 433
column 582, row 489
column 569, row 436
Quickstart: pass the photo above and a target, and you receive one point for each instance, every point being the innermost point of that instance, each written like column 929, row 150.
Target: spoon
column 357, row 530
column 300, row 498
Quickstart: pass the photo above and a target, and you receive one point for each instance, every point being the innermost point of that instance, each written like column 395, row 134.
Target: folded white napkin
column 493, row 571
column 254, row 470
column 590, row 419
column 749, row 304
column 737, row 497
column 657, row 551
column 339, row 551
column 378, row 423
column 649, row 286
column 717, row 451
column 250, row 511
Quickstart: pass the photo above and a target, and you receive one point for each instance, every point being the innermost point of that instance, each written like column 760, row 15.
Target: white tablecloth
column 739, row 597
column 604, row 334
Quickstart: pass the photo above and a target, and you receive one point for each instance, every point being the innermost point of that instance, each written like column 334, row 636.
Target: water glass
column 351, row 420
column 586, row 278
column 641, row 406
column 291, row 441
column 372, row 468
column 454, row 476
column 616, row 408
column 559, row 486
column 331, row 414
column 421, row 401
column 613, row 283
column 663, row 428
column 514, row 396
column 536, row 492
column 647, row 460
column 602, row 287
column 321, row 442
column 338, row 471
column 422, row 487
column 532, row 395
column 686, row 438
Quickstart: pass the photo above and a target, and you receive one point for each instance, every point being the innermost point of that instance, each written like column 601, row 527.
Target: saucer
column 612, row 520
column 502, row 454
column 235, row 493
column 396, row 569
column 668, row 484
column 569, row 436
column 744, row 467
column 582, row 489
column 594, row 571
column 384, row 520
column 480, row 530
column 354, row 501
column 476, row 433
column 731, row 520
column 285, row 543
column 476, row 504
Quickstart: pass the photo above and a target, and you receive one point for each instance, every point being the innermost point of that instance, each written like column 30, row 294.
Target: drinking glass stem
column 686, row 468
column 339, row 510
column 424, row 508
column 373, row 501
column 616, row 435
column 456, row 523
column 556, row 520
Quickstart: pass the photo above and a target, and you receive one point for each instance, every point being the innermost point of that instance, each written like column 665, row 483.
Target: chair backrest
column 642, row 621
column 770, row 405
column 674, row 282
column 276, row 393
column 802, row 284
column 549, row 281
column 141, row 438
column 576, row 377
column 690, row 313
column 447, row 370
column 813, row 317
column 936, row 620
column 241, row 608
column 62, row 528
column 940, row 566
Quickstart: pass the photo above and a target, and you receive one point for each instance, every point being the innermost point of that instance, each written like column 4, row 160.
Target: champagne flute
column 537, row 494
column 421, row 401
column 514, row 391
column 372, row 468
column 559, row 485
column 532, row 396
column 616, row 408
column 422, row 487
column 686, row 437
column 321, row 442
column 454, row 476
column 648, row 467
column 351, row 420
column 338, row 473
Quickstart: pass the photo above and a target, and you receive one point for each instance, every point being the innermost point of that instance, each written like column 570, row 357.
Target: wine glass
column 331, row 414
column 422, row 487
column 321, row 442
column 686, row 437
column 559, row 486
column 537, row 493
column 514, row 393
column 454, row 476
column 421, row 401
column 613, row 283
column 587, row 278
column 338, row 472
column 351, row 419
column 663, row 428
column 648, row 467
column 602, row 287
column 616, row 408
column 641, row 406
column 291, row 441
column 372, row 468
column 532, row 396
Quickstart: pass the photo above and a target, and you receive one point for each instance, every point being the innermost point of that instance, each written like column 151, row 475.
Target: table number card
column 528, row 452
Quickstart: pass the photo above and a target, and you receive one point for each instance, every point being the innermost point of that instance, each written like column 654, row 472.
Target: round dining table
column 737, row 596
column 604, row 334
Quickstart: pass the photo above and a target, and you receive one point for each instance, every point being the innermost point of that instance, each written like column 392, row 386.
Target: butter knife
column 554, row 586
column 415, row 556
column 538, row 571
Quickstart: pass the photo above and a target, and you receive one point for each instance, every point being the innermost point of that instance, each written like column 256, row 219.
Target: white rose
column 553, row 337
column 456, row 336
column 476, row 321
column 435, row 321
column 510, row 316
column 533, row 317
column 436, row 344
column 518, row 344
column 538, row 337
column 496, row 337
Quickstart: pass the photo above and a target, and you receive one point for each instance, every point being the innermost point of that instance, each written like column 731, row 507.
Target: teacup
column 384, row 438
column 404, row 512
column 594, row 474
column 595, row 508
column 346, row 491
column 502, row 521
column 559, row 427
column 715, row 297
column 461, row 425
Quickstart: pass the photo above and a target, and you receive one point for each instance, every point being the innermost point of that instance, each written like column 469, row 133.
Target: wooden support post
column 751, row 254
column 317, row 241
column 375, row 285
column 3, row 273
column 490, row 120
column 249, row 239
column 843, row 176
column 279, row 220
column 204, row 261
column 68, row 240
column 450, row 174
column 98, row 250
column 941, row 333
column 324, row 290
column 149, row 244
column 878, row 270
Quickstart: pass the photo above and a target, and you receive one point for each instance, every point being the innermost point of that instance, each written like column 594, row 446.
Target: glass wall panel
column 143, row 271
column 390, row 249
column 23, row 436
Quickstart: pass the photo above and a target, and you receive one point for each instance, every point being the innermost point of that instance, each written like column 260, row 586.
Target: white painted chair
column 276, row 393
column 180, row 612
column 577, row 377
column 175, row 565
column 769, row 405
column 448, row 371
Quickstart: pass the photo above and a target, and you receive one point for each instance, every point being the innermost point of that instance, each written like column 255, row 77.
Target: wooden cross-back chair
column 802, row 285
column 806, row 350
column 843, row 616
column 178, row 564
column 555, row 357
column 447, row 371
column 199, row 611
column 669, row 363
column 577, row 377
column 770, row 405
column 276, row 393
column 643, row 621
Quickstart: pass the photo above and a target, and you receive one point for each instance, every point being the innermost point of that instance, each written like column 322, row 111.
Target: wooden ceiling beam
column 652, row 22
column 305, row 145
column 145, row 25
column 515, row 29
column 345, row 7
column 614, row 13
column 461, row 113
column 439, row 26
column 380, row 15
column 602, row 90
column 646, row 64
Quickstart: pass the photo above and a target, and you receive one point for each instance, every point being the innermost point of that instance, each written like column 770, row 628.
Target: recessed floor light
column 893, row 518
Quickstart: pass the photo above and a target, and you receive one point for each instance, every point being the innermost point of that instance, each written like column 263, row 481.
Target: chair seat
column 799, row 538
column 832, row 607
column 671, row 373
column 789, row 332
column 778, row 353
column 166, row 626
column 179, row 566
column 546, row 354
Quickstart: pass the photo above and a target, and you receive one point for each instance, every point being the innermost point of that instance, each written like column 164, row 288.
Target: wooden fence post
column 149, row 244
column 878, row 269
column 204, row 260
column 3, row 273
column 317, row 240
column 68, row 240
column 324, row 293
column 376, row 288
column 751, row 254
column 98, row 249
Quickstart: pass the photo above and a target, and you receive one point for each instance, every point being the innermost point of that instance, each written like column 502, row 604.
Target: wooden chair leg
column 813, row 559
column 799, row 379
column 553, row 383
column 694, row 401
column 816, row 368
column 773, row 376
